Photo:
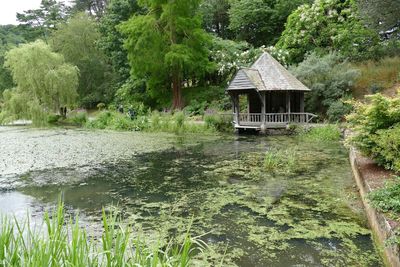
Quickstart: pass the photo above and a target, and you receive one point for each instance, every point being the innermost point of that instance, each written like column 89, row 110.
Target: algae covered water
column 249, row 215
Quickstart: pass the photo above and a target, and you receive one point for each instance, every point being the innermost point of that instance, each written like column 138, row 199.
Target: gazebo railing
column 274, row 118
column 250, row 118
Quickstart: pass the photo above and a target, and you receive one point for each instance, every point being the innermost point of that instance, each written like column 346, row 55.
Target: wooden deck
column 270, row 120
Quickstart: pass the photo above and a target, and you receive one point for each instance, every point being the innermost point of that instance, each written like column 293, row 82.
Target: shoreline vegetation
column 62, row 241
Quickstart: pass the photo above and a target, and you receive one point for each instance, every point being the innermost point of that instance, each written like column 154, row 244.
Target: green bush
column 53, row 118
column 375, row 127
column 219, row 123
column 387, row 149
column 329, row 132
column 387, row 199
column 379, row 113
column 196, row 107
column 114, row 121
column 338, row 110
column 78, row 118
column 330, row 79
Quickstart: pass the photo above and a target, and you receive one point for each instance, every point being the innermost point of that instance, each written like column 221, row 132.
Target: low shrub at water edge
column 62, row 242
column 114, row 121
column 160, row 122
column 376, row 129
column 387, row 149
column 387, row 199
column 329, row 132
column 219, row 123
column 78, row 118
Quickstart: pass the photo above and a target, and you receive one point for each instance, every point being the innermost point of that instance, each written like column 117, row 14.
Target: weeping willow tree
column 44, row 83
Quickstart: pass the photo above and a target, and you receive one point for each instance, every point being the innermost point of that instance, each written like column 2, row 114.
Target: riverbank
column 369, row 176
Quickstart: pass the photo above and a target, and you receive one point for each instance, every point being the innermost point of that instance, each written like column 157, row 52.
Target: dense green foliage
column 43, row 21
column 95, row 8
column 111, row 40
column 327, row 25
column 229, row 56
column 62, row 242
column 387, row 198
column 216, row 17
column 76, row 41
column 167, row 46
column 376, row 129
column 382, row 16
column 330, row 80
column 177, row 123
column 45, row 83
column 10, row 36
column 260, row 22
column 163, row 54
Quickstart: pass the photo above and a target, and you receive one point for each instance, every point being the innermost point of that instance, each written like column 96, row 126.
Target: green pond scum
column 249, row 212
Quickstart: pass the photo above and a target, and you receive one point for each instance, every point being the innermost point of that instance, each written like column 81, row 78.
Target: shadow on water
column 263, row 218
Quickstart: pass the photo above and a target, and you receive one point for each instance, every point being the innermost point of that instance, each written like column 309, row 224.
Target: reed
column 61, row 241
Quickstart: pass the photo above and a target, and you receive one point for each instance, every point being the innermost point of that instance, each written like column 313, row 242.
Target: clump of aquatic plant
column 387, row 198
column 329, row 132
column 62, row 242
column 281, row 160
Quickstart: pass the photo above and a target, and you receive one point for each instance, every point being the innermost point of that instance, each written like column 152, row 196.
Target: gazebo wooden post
column 288, row 104
column 302, row 102
column 236, row 107
column 263, row 112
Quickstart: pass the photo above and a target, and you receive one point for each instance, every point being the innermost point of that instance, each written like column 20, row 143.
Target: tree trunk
column 177, row 102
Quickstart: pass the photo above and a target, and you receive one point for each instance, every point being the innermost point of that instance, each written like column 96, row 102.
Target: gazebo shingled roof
column 266, row 74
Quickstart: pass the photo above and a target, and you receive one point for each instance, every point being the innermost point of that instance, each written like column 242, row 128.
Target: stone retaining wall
column 379, row 224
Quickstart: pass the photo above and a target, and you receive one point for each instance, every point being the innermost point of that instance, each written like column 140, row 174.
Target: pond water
column 307, row 215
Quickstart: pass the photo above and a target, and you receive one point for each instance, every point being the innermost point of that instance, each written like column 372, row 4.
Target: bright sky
column 9, row 9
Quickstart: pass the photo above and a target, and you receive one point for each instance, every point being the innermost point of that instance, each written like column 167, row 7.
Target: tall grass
column 376, row 75
column 281, row 160
column 62, row 242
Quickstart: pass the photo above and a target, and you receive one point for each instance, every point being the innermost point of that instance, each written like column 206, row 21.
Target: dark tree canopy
column 111, row 41
column 167, row 47
column 261, row 22
column 216, row 17
column 45, row 19
column 94, row 7
column 383, row 16
column 10, row 36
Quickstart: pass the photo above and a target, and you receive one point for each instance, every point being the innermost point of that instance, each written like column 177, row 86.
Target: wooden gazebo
column 275, row 98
